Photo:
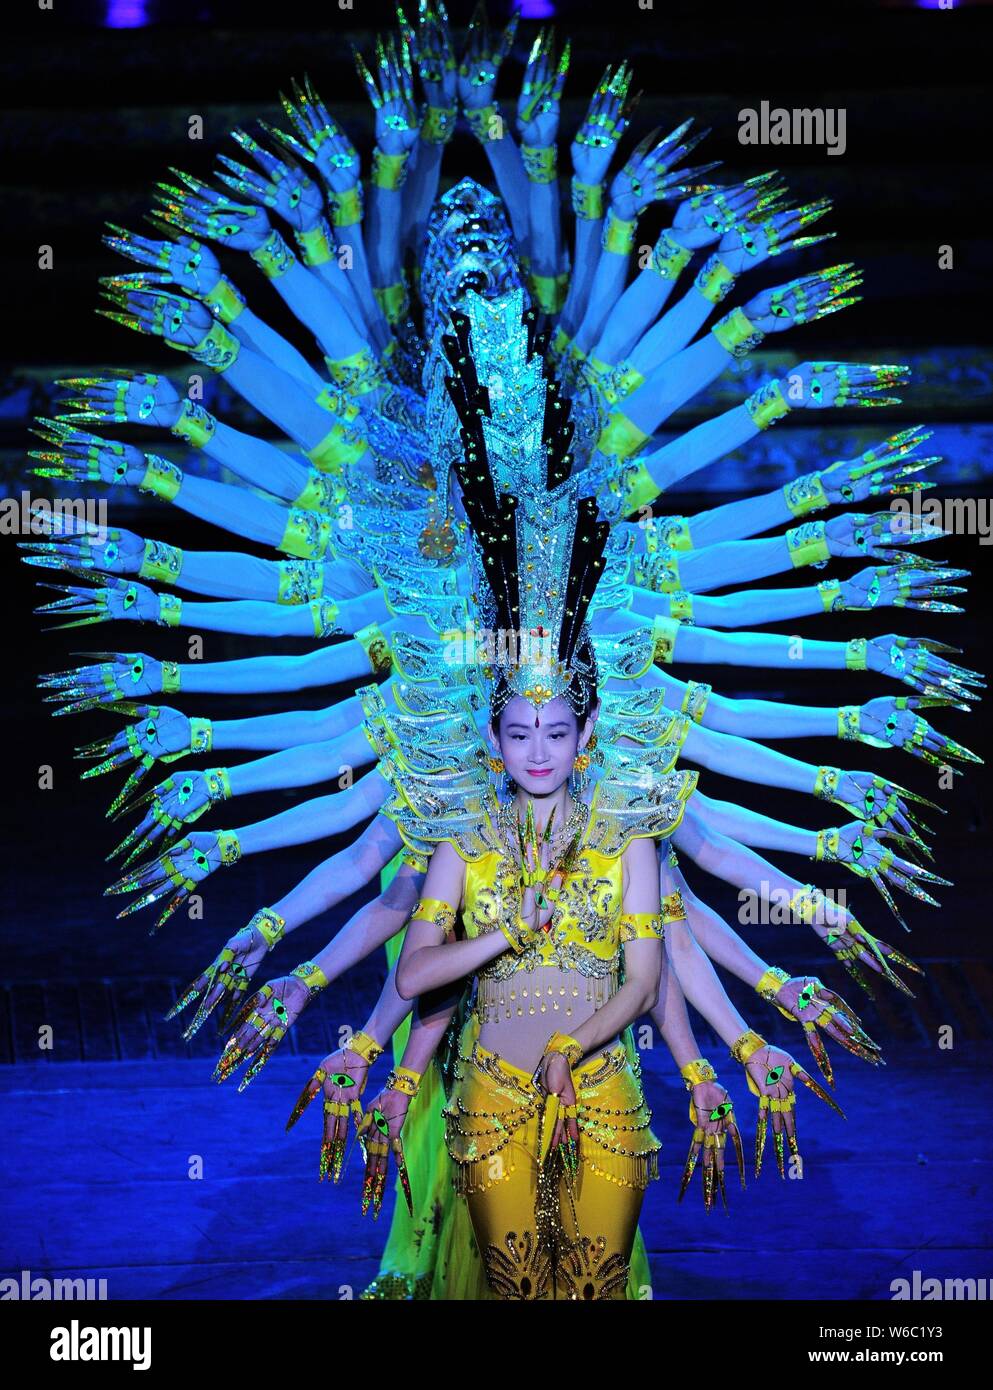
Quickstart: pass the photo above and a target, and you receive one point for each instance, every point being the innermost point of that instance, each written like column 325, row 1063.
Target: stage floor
column 99, row 1157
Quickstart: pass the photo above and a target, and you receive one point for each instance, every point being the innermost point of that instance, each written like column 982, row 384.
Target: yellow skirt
column 542, row 1234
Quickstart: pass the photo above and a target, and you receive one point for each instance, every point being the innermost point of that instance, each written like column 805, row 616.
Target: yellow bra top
column 587, row 926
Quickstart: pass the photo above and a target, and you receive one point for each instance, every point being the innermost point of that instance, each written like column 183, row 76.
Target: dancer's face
column 538, row 747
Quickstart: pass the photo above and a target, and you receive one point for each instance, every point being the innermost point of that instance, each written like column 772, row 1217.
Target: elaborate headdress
column 537, row 546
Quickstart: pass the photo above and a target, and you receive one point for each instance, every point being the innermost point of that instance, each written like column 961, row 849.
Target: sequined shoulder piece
column 637, row 796
column 460, row 807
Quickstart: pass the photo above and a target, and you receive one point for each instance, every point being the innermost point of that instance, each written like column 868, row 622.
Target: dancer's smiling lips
column 539, row 771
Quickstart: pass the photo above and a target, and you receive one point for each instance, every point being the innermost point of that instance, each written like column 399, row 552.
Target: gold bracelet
column 270, row 926
column 563, row 1045
column 771, row 982
column 194, row 424
column 767, row 405
column 540, row 163
column 808, row 544
column 274, row 258
column 745, row 1047
column 618, row 235
column 405, row 1080
column 312, row 975
column 162, row 478
column 365, row 1047
column 696, row 1072
column 673, row 908
column 587, row 200
column 161, row 562
column 225, row 300
column 805, row 495
column 737, row 334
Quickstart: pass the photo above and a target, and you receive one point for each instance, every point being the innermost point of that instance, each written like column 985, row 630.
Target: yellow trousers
column 541, row 1235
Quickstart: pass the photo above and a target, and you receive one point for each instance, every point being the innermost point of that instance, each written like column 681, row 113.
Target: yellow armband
column 274, row 258
column 641, row 926
column 270, row 926
column 217, row 349
column 664, row 634
column 548, row 292
column 389, row 171
column 673, row 908
column 587, row 200
column 394, row 301
column 324, row 612
column 737, row 334
column 170, row 610
column 376, row 648
column 365, row 1047
column 320, row 494
column 669, row 257
column 225, row 300
column 540, row 163
column 438, row 913
column 194, row 424
column 767, row 405
column 306, row 536
column 439, row 125
column 618, row 235
column 346, row 208
column 300, row 581
column 405, row 1080
column 696, row 1072
column 808, row 544
column 486, row 123
column 357, row 374
column 714, row 281
column 161, row 562
column 805, row 495
column 316, row 246
column 695, row 699
column 162, row 478
column 621, row 437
